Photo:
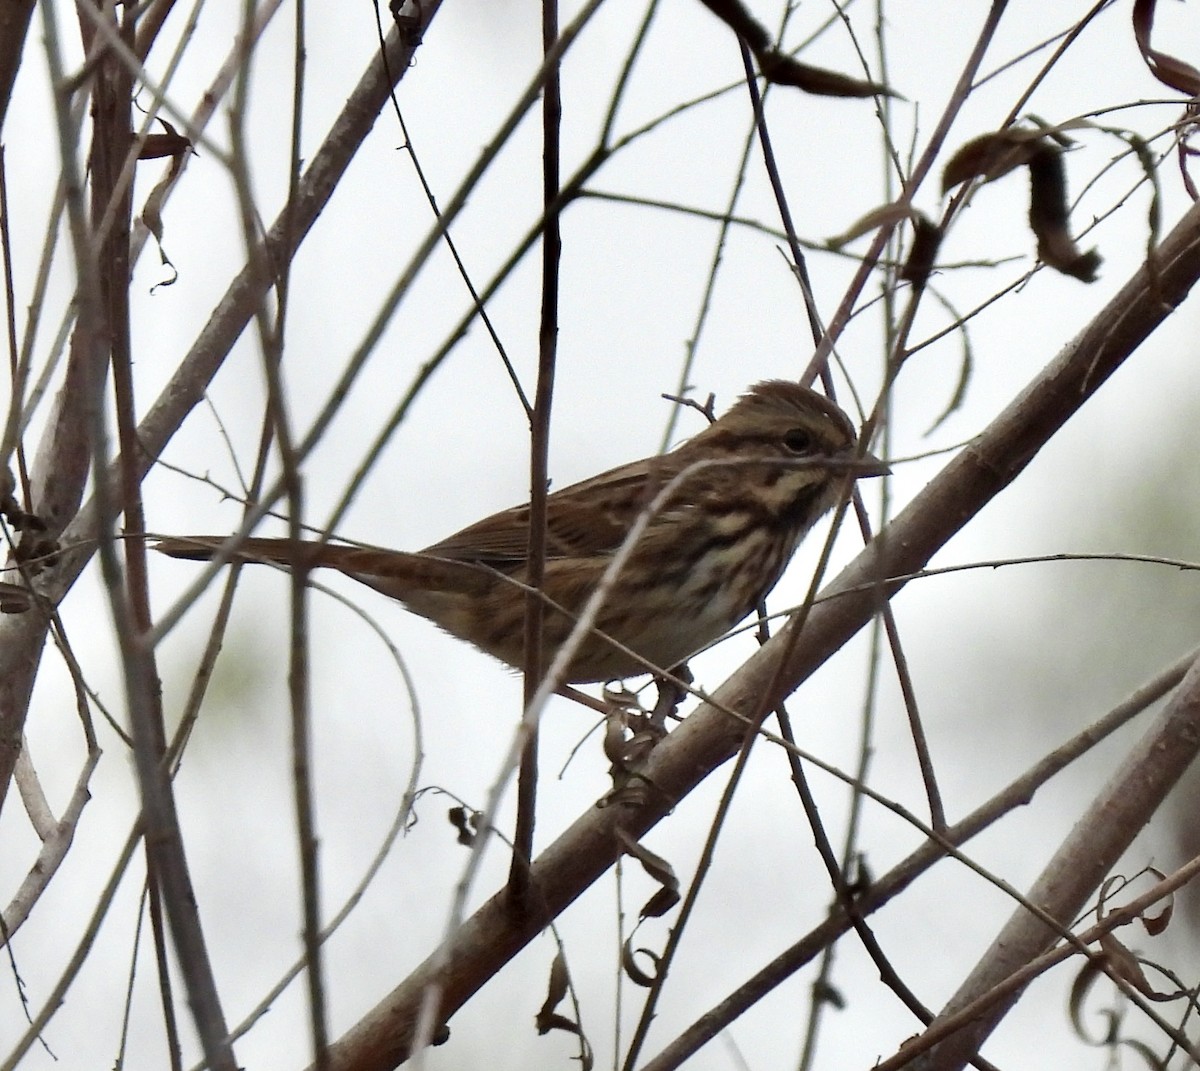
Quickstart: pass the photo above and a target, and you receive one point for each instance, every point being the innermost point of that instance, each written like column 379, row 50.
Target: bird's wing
column 588, row 518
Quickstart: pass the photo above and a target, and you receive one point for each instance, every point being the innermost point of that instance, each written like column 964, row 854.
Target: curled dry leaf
column 13, row 511
column 629, row 736
column 884, row 216
column 466, row 822
column 779, row 68
column 36, row 550
column 737, row 17
column 1111, row 1037
column 826, row 993
column 1177, row 74
column 409, row 18
column 1112, row 884
column 1155, row 924
column 927, row 239
column 782, row 69
column 177, row 147
column 670, row 695
column 659, row 869
column 993, row 156
column 8, row 494
column 1115, row 961
column 630, row 966
column 1120, row 962
column 1167, row 69
column 633, row 755
column 1048, row 217
column 990, row 156
column 548, row 1018
column 1088, row 975
column 861, row 877
column 615, row 724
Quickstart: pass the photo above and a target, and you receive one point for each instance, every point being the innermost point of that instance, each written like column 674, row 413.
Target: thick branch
column 1081, row 863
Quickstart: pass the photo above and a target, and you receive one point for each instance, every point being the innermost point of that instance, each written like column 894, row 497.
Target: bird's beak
column 868, row 465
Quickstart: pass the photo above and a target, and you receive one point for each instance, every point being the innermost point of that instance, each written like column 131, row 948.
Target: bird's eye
column 798, row 441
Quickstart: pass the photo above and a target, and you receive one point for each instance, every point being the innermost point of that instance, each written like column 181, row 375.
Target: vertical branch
column 275, row 265
column 925, row 762
column 167, row 868
column 112, row 209
column 298, row 674
column 539, row 449
column 82, row 398
column 15, row 16
column 15, row 377
column 822, row 985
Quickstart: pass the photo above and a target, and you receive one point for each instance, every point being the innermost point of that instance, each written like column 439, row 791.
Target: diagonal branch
column 1073, row 875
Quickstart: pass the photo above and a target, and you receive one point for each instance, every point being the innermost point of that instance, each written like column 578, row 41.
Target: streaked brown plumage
column 782, row 456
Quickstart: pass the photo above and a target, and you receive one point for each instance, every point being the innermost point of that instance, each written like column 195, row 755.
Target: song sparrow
column 777, row 460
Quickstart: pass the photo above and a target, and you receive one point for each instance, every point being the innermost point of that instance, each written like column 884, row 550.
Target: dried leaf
column 861, row 877
column 927, row 239
column 177, row 147
column 1048, row 216
column 629, row 964
column 1167, row 69
column 659, row 869
column 990, row 156
column 994, row 155
column 34, row 548
column 661, row 902
column 736, row 16
column 614, row 735
column 556, row 989
column 548, row 1018
column 825, row 993
column 408, row 15
column 884, row 216
column 965, row 367
column 1155, row 924
column 1121, row 963
column 781, row 69
column 171, row 144
column 1093, row 969
column 1088, row 974
column 1113, row 883
column 466, row 822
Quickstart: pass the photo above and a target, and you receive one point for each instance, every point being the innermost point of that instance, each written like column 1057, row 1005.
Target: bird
column 742, row 495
